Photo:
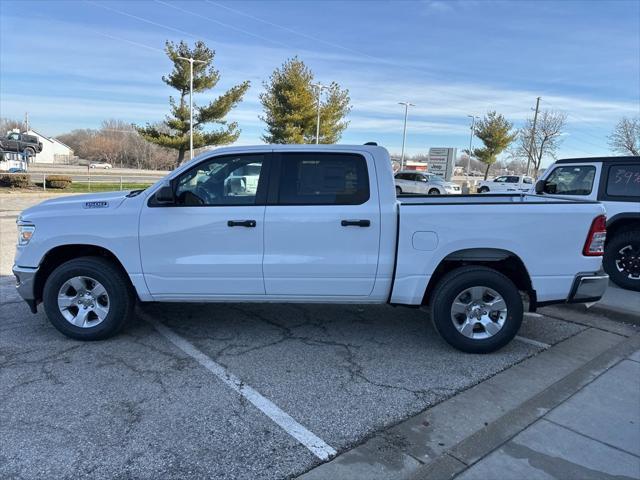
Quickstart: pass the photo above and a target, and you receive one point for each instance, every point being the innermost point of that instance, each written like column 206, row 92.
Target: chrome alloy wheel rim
column 478, row 312
column 83, row 302
column 628, row 262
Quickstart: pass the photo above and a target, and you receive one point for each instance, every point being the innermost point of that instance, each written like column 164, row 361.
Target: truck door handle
column 241, row 223
column 355, row 223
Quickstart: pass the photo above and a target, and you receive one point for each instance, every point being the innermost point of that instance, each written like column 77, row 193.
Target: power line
column 295, row 32
column 150, row 22
column 232, row 27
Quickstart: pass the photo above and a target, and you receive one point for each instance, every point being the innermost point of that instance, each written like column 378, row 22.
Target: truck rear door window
column 571, row 180
column 323, row 179
column 624, row 181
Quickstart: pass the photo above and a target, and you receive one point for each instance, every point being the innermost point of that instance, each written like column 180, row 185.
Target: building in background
column 53, row 150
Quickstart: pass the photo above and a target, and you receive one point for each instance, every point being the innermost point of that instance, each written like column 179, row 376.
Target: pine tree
column 174, row 131
column 291, row 108
column 495, row 132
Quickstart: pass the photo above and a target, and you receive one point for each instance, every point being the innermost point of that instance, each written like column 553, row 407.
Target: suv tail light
column 594, row 246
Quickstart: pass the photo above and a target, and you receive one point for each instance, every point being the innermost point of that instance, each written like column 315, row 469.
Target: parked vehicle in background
column 106, row 166
column 614, row 181
column 12, row 162
column 324, row 225
column 22, row 143
column 506, row 184
column 410, row 181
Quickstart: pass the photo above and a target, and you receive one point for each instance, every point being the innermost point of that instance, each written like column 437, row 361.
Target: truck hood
column 83, row 204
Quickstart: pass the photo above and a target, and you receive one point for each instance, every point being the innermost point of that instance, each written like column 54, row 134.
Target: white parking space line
column 307, row 438
column 530, row 341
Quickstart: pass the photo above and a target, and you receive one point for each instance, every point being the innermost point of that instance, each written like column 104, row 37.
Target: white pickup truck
column 506, row 184
column 323, row 225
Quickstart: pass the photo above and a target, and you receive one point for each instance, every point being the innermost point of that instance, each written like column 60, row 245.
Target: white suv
column 615, row 182
column 424, row 183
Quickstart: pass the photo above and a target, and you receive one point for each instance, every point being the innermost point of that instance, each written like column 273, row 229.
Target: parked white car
column 506, row 184
column 323, row 226
column 411, row 181
column 106, row 166
column 615, row 182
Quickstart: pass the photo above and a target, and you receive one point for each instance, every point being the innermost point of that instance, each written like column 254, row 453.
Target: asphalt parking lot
column 223, row 390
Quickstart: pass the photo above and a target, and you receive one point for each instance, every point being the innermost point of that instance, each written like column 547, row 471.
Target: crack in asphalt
column 353, row 367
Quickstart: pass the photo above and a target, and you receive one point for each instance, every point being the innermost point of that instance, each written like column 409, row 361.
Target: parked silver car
column 424, row 183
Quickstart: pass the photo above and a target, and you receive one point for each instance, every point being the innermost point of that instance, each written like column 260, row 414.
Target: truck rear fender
column 504, row 261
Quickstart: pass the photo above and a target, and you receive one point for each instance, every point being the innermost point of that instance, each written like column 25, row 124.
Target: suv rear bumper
column 25, row 284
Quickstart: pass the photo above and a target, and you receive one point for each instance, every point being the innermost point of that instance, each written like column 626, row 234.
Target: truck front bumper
column 25, row 284
column 588, row 287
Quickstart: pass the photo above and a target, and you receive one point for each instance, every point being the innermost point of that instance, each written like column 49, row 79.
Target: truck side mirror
column 165, row 195
column 540, row 184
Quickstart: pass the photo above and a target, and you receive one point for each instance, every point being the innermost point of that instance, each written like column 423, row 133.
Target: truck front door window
column 574, row 180
column 221, row 181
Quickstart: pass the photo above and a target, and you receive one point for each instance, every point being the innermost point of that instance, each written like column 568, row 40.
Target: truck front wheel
column 476, row 309
column 88, row 298
column 622, row 259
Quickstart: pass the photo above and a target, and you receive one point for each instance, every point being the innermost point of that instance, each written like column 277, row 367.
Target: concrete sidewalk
column 595, row 434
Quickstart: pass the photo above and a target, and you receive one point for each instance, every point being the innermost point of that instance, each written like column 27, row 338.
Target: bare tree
column 625, row 138
column 547, row 139
column 8, row 124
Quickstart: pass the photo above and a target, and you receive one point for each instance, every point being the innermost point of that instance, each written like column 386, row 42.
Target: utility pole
column 533, row 135
column 26, row 121
column 191, row 62
column 320, row 87
column 404, row 130
column 473, row 124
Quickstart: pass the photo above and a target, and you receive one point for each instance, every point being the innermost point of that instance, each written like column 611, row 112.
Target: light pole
column 473, row 124
column 320, row 87
column 191, row 62
column 404, row 130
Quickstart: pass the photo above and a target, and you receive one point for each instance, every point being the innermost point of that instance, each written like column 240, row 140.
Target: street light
column 404, row 130
column 191, row 62
column 473, row 124
column 320, row 87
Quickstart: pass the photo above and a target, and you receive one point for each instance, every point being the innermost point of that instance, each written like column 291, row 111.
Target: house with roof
column 53, row 150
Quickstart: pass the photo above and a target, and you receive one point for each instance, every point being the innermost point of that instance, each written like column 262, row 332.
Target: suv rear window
column 323, row 179
column 624, row 181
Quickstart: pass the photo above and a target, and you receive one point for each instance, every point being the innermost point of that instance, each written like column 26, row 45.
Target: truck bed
column 548, row 239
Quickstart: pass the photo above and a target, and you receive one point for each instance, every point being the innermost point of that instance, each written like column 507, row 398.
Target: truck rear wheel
column 88, row 298
column 476, row 309
column 622, row 259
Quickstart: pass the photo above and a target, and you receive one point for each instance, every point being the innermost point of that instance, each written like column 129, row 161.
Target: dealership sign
column 441, row 162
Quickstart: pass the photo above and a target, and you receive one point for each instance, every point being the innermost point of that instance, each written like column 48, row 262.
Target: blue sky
column 71, row 64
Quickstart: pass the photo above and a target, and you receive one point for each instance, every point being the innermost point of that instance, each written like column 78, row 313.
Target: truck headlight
column 25, row 232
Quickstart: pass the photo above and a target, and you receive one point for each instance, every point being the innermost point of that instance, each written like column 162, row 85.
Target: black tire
column 398, row 190
column 434, row 191
column 629, row 239
column 452, row 285
column 483, row 189
column 118, row 288
column 29, row 152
